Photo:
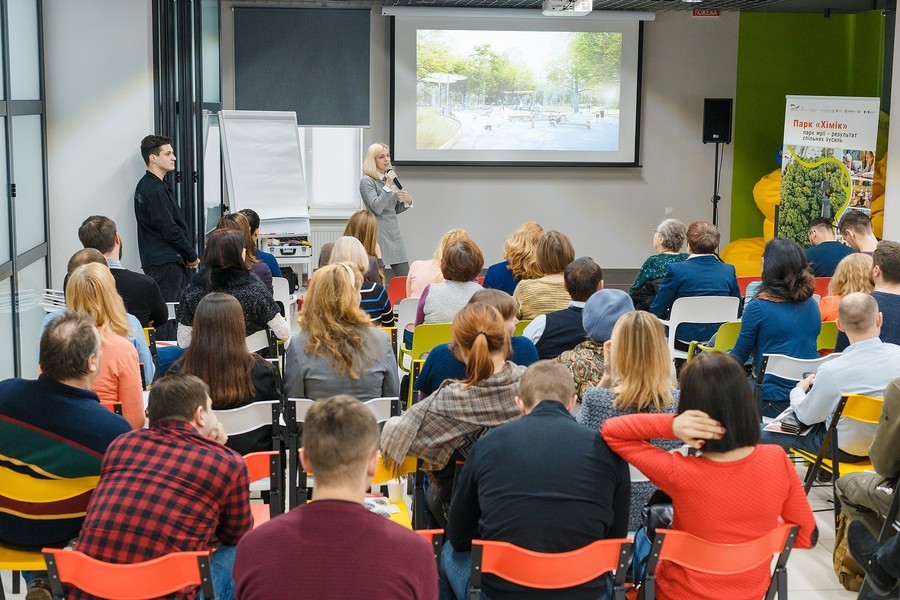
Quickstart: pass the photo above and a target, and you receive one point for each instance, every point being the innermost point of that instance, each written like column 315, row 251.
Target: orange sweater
column 828, row 308
column 119, row 379
column 720, row 502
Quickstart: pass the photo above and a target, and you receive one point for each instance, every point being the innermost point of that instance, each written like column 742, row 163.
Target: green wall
column 792, row 54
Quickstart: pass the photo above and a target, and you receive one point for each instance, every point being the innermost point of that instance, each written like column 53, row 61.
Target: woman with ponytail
column 782, row 319
column 441, row 428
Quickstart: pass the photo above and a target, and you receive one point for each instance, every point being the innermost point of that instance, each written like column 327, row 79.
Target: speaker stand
column 715, row 196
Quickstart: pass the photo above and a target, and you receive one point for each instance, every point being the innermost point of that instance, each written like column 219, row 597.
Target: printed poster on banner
column 828, row 160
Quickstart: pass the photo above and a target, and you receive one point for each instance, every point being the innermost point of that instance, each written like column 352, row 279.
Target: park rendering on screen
column 518, row 91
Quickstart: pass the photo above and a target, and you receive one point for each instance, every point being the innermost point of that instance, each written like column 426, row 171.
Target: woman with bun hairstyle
column 440, row 428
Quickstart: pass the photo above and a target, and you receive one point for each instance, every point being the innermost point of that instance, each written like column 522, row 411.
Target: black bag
column 657, row 514
column 292, row 278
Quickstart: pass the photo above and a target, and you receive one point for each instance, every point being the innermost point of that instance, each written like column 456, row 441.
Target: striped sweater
column 52, row 439
column 539, row 297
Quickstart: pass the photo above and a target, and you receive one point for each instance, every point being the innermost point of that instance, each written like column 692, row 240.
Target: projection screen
column 515, row 91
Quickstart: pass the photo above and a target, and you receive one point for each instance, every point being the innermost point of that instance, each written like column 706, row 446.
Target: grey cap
column 601, row 312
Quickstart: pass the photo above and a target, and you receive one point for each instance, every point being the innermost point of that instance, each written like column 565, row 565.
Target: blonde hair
column 369, row 167
column 519, row 251
column 642, row 368
column 453, row 234
column 92, row 289
column 348, row 249
column 853, row 274
column 332, row 319
column 363, row 226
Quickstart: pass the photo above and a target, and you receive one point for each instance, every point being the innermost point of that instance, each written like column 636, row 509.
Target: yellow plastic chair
column 828, row 334
column 521, row 325
column 47, row 493
column 425, row 338
column 726, row 338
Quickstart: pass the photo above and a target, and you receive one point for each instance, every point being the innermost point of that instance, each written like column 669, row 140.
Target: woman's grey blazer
column 385, row 205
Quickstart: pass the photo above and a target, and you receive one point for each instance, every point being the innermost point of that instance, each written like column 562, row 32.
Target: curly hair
column 519, row 250
column 853, row 274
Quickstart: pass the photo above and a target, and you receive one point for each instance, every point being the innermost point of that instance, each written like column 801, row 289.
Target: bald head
column 85, row 256
column 858, row 316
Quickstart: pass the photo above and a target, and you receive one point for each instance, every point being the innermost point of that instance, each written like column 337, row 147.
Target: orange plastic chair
column 697, row 554
column 743, row 282
column 821, row 286
column 139, row 581
column 549, row 571
column 261, row 465
column 435, row 537
column 397, row 289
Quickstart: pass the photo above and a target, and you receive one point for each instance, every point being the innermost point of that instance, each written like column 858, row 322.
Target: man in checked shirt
column 172, row 487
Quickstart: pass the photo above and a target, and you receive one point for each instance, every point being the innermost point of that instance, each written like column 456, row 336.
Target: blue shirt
column 270, row 261
column 499, row 277
column 825, row 257
column 442, row 364
column 788, row 328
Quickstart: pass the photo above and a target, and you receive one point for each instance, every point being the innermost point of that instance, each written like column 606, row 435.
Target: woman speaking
column 383, row 195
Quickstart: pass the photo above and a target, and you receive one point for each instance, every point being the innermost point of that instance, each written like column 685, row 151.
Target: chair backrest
column 550, row 571
column 150, row 579
column 427, row 336
column 828, row 335
column 821, row 286
column 173, row 309
column 261, row 465
column 521, row 325
column 435, row 537
column 250, row 417
column 701, row 309
column 865, row 409
column 295, row 410
column 791, row 368
column 397, row 289
column 743, row 282
column 281, row 292
column 384, row 408
column 406, row 313
column 258, row 341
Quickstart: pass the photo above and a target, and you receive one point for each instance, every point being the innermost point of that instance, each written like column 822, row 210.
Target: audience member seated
column 782, row 319
column 54, row 427
column 423, row 273
column 856, row 228
column 333, row 547
column 171, row 488
column 866, row 366
column 136, row 331
column 441, row 428
column 338, row 350
column 362, row 226
column 519, row 259
column 702, row 274
column 445, row 362
column 509, row 489
column 266, row 257
column 91, row 289
column 547, row 293
column 733, row 492
column 561, row 330
column 637, row 379
column 139, row 292
column 238, row 222
column 866, row 496
column 668, row 240
column 224, row 270
column 601, row 312
column 853, row 274
column 880, row 561
column 886, row 275
column 460, row 265
column 218, row 355
column 825, row 252
column 373, row 298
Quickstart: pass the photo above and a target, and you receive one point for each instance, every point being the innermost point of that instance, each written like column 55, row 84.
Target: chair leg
column 16, row 582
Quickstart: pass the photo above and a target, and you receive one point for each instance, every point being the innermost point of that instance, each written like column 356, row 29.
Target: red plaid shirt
column 162, row 490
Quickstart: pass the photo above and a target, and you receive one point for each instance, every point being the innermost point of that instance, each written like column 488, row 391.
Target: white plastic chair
column 281, row 293
column 384, row 408
column 406, row 314
column 699, row 309
column 786, row 367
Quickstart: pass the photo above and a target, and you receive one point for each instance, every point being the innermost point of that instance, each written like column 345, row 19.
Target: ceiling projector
column 567, row 8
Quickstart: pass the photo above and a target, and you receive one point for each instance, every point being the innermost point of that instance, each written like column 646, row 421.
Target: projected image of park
column 518, row 90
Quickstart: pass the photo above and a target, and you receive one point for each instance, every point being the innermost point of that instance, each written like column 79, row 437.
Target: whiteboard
column 264, row 166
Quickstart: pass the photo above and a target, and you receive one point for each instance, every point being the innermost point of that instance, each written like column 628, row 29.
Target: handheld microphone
column 397, row 181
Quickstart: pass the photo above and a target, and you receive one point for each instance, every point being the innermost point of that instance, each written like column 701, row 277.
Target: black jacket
column 163, row 235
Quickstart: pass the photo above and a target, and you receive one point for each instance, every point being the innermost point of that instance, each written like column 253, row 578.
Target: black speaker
column 717, row 120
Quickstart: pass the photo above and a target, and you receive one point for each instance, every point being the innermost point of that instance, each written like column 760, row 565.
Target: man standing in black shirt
column 544, row 482
column 140, row 292
column 165, row 244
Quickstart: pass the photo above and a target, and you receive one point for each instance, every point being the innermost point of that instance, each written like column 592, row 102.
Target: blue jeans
column 453, row 578
column 221, row 566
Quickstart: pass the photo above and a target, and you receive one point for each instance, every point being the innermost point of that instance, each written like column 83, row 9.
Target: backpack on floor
column 849, row 573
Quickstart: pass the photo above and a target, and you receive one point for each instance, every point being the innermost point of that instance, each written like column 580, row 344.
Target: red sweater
column 721, row 502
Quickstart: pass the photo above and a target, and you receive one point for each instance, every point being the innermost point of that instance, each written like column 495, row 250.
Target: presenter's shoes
column 39, row 590
column 864, row 548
